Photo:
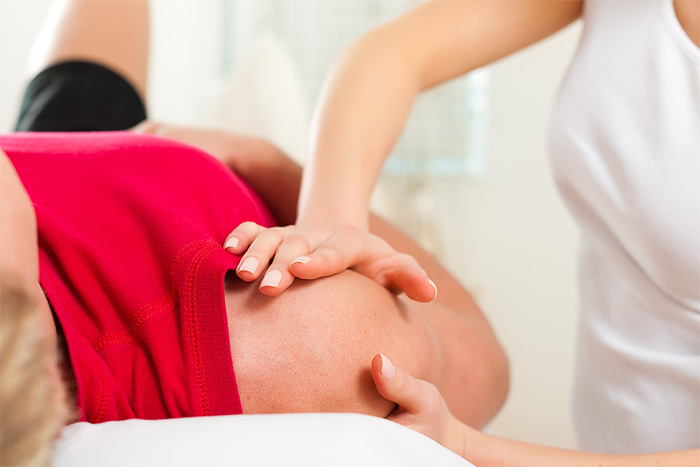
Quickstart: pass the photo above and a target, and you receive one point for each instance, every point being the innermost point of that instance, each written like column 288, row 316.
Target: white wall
column 184, row 57
column 185, row 48
column 509, row 239
column 517, row 246
column 19, row 23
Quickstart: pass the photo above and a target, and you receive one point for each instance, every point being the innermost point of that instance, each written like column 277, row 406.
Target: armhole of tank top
column 676, row 31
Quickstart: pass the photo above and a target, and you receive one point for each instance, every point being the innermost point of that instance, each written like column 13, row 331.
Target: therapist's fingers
column 413, row 396
column 371, row 256
column 420, row 405
column 342, row 249
column 238, row 241
column 260, row 251
column 401, row 272
column 298, row 242
column 323, row 250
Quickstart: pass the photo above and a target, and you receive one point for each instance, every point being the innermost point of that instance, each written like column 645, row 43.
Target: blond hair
column 30, row 412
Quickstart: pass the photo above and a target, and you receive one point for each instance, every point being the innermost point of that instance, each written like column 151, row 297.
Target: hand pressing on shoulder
column 304, row 252
column 311, row 252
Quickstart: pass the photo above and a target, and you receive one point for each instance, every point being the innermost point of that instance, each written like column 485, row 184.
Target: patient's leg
column 113, row 33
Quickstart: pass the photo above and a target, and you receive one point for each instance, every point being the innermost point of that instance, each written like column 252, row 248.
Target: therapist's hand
column 310, row 252
column 420, row 406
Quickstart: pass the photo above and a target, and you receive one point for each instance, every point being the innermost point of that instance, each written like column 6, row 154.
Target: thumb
column 409, row 393
column 421, row 407
column 415, row 282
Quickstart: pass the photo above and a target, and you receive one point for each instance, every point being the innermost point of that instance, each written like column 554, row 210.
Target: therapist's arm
column 362, row 109
column 422, row 408
column 370, row 91
column 361, row 112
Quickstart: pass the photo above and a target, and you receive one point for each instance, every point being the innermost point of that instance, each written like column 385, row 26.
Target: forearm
column 485, row 450
column 18, row 237
column 370, row 91
column 362, row 110
column 277, row 179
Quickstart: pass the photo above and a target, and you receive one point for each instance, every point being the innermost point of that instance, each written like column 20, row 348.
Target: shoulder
column 310, row 348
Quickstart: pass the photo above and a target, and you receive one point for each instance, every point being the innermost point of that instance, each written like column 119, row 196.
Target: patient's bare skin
column 307, row 349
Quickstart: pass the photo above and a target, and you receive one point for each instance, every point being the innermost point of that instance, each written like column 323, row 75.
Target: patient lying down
column 152, row 322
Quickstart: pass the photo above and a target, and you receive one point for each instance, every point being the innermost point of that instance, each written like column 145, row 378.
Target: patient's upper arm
column 309, row 349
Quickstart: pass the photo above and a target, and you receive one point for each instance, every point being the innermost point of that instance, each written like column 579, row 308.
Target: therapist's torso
column 625, row 146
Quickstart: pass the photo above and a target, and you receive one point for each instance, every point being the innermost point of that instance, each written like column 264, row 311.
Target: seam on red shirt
column 192, row 321
column 103, row 399
column 149, row 310
column 129, row 335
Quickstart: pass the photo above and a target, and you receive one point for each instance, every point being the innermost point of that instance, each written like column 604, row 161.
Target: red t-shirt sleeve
column 130, row 233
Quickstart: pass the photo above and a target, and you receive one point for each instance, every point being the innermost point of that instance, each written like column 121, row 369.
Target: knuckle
column 248, row 228
column 405, row 259
column 247, row 225
column 333, row 252
column 405, row 386
column 349, row 229
column 432, row 392
column 299, row 240
column 274, row 234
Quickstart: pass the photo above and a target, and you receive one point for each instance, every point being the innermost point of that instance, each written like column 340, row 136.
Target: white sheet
column 288, row 440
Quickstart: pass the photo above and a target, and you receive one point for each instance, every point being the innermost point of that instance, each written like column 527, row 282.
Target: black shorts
column 79, row 96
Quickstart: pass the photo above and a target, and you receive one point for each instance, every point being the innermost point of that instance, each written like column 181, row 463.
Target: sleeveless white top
column 625, row 146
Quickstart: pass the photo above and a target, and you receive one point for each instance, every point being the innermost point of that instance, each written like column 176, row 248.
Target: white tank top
column 625, row 146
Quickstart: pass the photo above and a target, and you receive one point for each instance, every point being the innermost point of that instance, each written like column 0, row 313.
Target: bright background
column 505, row 235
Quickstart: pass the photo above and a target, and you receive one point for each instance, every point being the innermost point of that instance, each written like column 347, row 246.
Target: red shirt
column 130, row 232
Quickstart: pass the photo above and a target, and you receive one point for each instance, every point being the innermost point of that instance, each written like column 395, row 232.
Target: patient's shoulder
column 309, row 349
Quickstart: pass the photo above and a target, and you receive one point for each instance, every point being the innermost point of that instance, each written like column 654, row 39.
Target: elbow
column 478, row 379
column 487, row 380
column 496, row 385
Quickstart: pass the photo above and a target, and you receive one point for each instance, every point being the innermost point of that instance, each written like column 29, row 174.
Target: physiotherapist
column 624, row 140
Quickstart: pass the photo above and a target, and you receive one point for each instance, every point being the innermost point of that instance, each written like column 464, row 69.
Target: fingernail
column 231, row 243
column 434, row 287
column 271, row 279
column 388, row 368
column 250, row 265
column 301, row 259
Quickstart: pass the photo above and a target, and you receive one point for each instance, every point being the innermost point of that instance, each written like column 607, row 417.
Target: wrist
column 478, row 447
column 459, row 437
column 331, row 208
column 331, row 217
